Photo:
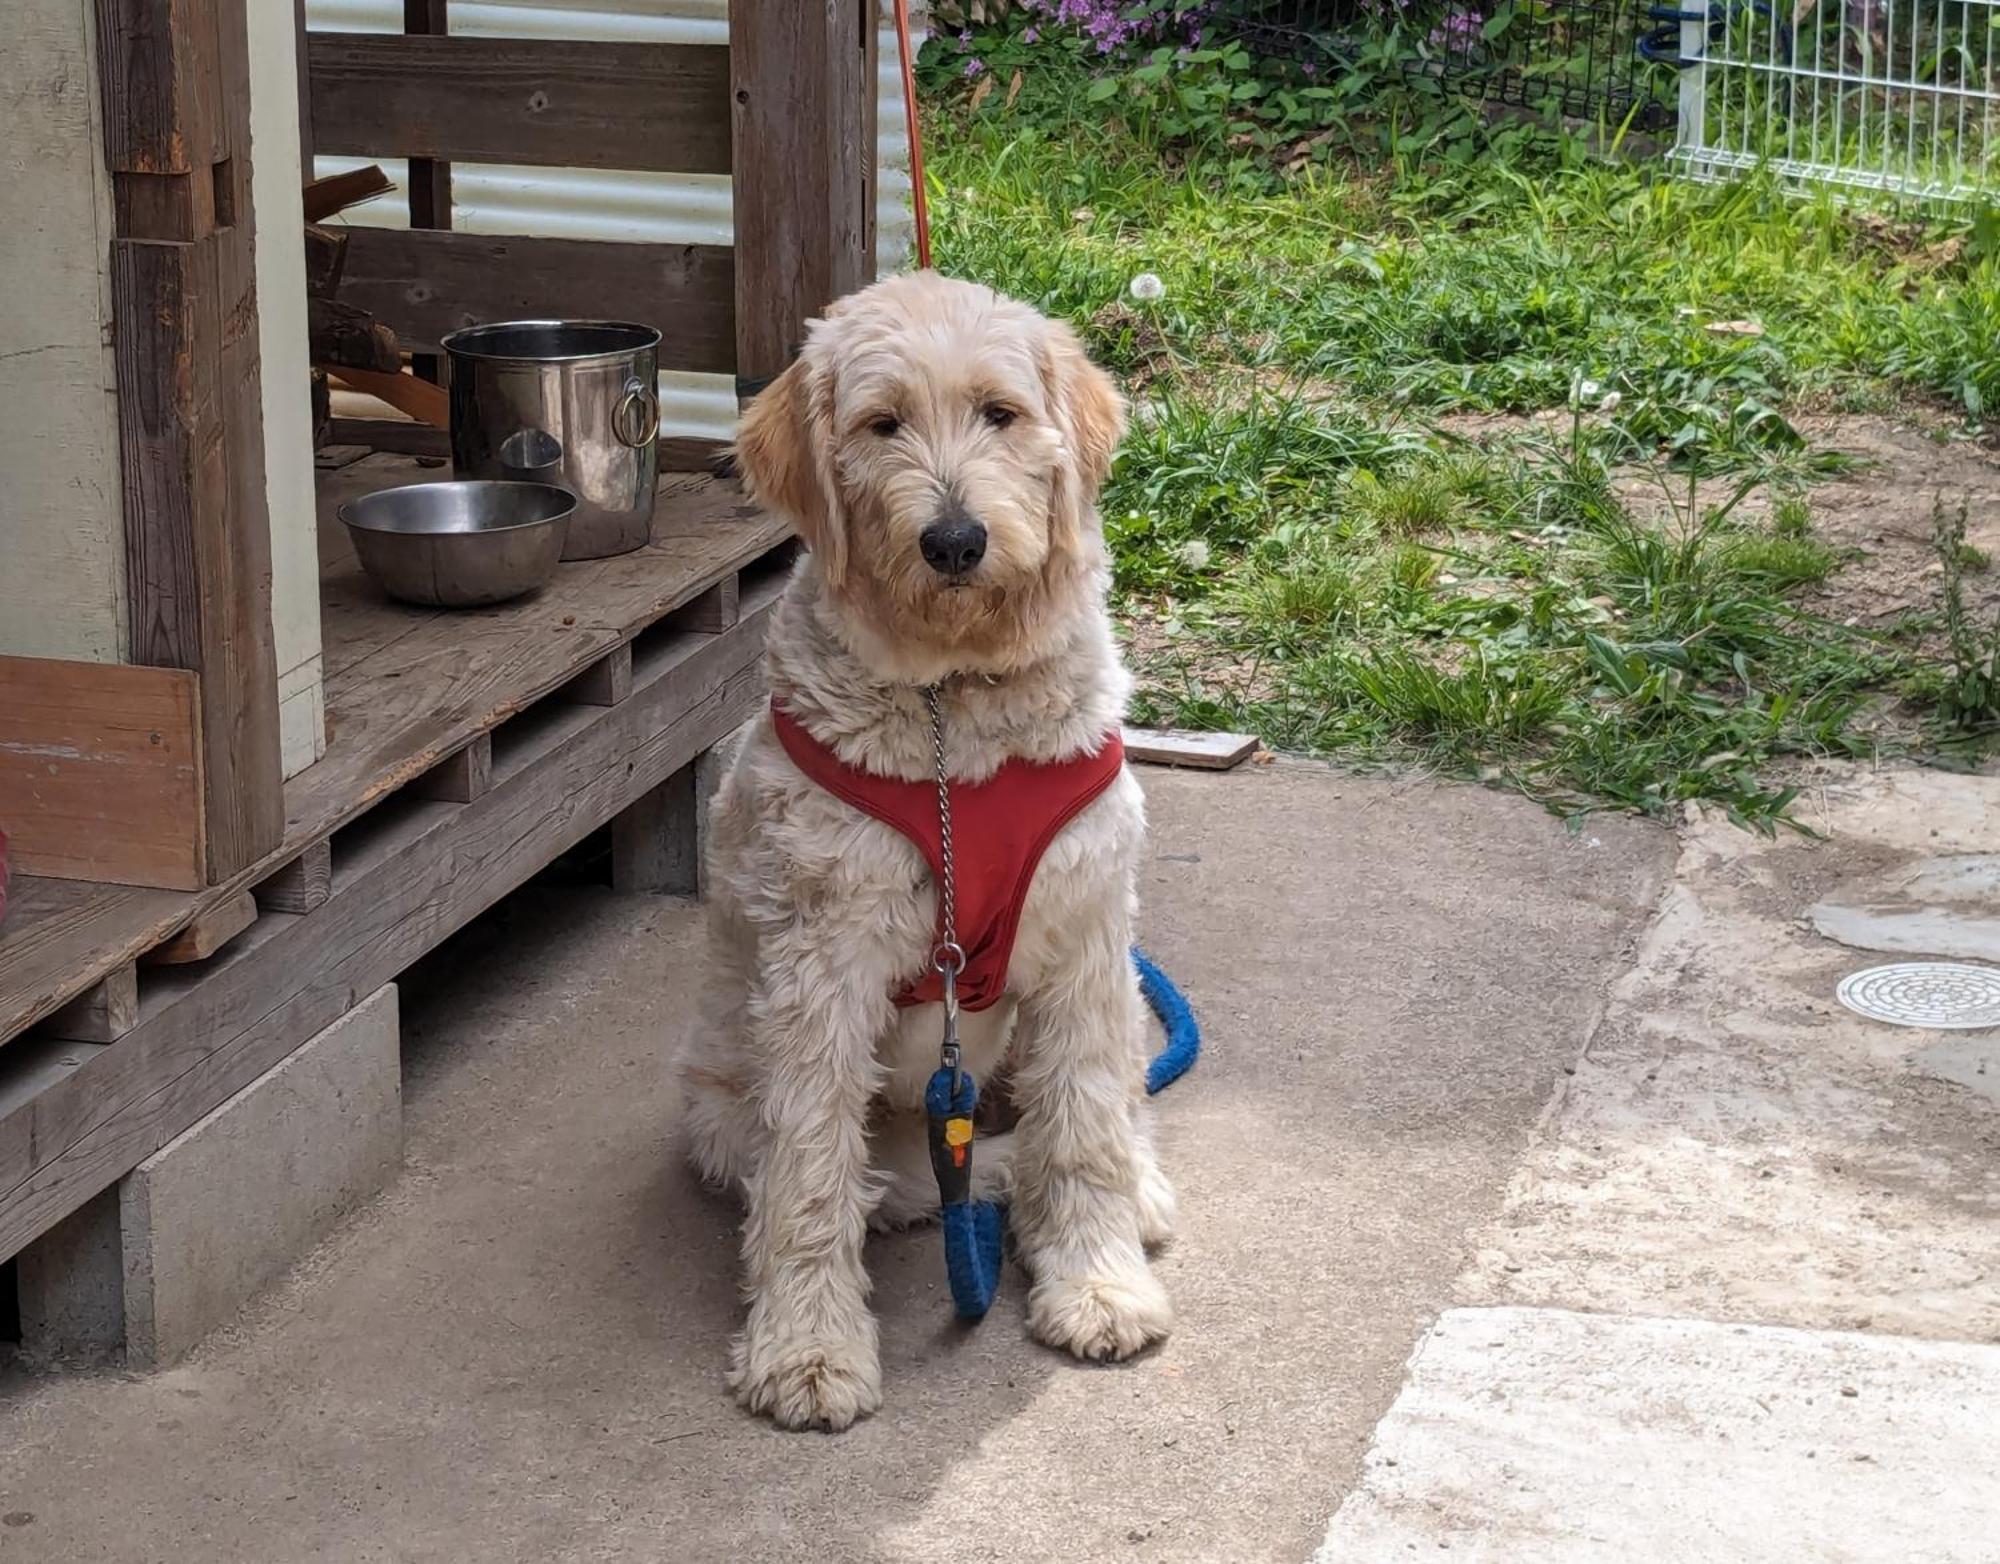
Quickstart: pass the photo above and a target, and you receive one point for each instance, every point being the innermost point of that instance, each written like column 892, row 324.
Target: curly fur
column 805, row 1084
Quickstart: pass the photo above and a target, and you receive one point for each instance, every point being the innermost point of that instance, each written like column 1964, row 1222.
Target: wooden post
column 430, row 178
column 802, row 91
column 174, row 78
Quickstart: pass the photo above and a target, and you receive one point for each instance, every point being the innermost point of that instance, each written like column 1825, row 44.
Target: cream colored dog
column 940, row 449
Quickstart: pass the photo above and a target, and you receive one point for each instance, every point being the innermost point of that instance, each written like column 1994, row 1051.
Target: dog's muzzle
column 953, row 546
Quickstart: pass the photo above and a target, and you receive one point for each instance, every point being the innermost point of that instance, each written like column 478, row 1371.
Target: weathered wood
column 605, row 682
column 714, row 610
column 653, row 106
column 335, row 193
column 100, row 772
column 689, row 455
column 207, row 932
column 164, row 206
column 343, row 337
column 461, row 776
column 1203, row 751
column 61, row 936
column 404, row 688
column 397, row 436
column 104, row 1012
column 803, row 127
column 161, row 81
column 302, row 885
column 326, row 259
column 197, row 531
column 424, row 285
column 289, row 978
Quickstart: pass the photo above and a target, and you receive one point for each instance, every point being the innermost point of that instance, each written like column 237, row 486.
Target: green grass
column 1578, row 604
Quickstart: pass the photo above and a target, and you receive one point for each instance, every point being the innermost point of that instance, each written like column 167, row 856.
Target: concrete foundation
column 222, row 1210
column 71, row 1284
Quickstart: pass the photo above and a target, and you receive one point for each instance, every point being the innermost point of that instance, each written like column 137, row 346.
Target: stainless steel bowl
column 460, row 545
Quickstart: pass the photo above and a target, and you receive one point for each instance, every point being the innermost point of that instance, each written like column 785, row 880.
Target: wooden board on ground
column 1203, row 751
column 100, row 772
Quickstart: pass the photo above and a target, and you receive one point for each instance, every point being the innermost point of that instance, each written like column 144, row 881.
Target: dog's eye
column 885, row 426
column 999, row 417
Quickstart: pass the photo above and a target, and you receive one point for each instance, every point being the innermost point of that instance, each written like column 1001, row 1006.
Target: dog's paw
column 806, row 1381
column 1102, row 1317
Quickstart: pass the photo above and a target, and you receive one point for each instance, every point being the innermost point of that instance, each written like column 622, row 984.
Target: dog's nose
column 952, row 545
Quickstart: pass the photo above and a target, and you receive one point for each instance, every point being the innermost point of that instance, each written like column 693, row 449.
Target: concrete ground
column 516, row 1354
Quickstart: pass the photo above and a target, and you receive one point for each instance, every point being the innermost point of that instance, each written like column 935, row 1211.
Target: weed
column 1968, row 693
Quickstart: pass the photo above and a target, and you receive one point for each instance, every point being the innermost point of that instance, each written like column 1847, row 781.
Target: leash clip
column 949, row 961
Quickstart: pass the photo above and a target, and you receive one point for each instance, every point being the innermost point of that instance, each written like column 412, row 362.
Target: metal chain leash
column 948, row 957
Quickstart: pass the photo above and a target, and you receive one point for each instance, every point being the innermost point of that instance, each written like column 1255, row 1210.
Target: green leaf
column 1101, row 89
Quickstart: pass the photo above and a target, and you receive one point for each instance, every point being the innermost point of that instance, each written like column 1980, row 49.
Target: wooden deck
column 466, row 750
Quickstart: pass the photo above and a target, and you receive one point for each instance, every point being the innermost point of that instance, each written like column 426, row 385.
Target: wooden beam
column 102, row 1013
column 174, row 83
column 303, row 884
column 461, row 776
column 423, row 285
column 656, row 839
column 101, row 772
column 210, row 929
column 605, row 682
column 652, row 106
column 410, row 889
column 714, row 610
column 803, row 128
column 334, row 194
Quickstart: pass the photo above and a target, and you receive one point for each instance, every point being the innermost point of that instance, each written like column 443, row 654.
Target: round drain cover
column 1939, row 995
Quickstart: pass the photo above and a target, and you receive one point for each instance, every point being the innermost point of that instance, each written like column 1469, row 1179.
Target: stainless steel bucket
column 572, row 402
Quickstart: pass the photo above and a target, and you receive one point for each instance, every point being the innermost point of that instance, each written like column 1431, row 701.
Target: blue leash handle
column 973, row 1229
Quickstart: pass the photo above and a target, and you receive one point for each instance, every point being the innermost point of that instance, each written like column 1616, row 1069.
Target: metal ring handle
column 645, row 401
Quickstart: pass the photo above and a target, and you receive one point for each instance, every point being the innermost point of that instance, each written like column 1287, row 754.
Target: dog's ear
column 1086, row 402
column 784, row 451
column 1091, row 415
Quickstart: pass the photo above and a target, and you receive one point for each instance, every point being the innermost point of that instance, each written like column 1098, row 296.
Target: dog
column 940, row 449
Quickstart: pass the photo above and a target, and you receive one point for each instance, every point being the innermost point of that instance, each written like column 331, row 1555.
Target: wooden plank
column 803, row 128
column 404, row 689
column 651, row 106
column 335, row 193
column 104, row 1012
column 161, row 80
column 656, row 839
column 291, row 977
column 100, row 772
column 302, row 885
column 430, row 179
column 406, row 393
column 211, row 928
column 605, row 682
column 1203, row 751
column 398, row 435
column 460, row 777
column 424, row 285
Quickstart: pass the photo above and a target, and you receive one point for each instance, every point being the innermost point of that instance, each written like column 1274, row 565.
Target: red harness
column 1000, row 829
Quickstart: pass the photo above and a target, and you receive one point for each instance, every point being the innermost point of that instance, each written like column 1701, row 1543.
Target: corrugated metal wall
column 599, row 204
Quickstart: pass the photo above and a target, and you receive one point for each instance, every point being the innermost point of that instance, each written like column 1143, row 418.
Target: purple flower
column 1309, row 68
column 973, row 67
column 1032, row 35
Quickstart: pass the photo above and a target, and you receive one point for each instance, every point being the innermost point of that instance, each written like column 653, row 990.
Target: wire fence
column 1897, row 96
column 1894, row 96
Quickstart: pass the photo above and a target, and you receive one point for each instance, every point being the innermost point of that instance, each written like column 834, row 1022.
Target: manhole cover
column 1940, row 995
